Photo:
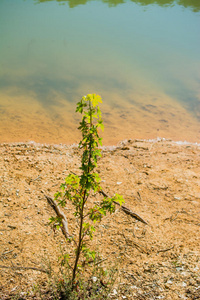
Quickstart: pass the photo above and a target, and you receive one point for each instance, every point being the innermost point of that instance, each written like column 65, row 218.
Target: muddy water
column 142, row 58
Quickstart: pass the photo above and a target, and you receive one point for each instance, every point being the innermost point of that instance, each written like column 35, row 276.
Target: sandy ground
column 160, row 181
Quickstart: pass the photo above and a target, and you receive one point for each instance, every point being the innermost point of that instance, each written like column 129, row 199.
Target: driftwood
column 126, row 210
column 25, row 268
column 61, row 215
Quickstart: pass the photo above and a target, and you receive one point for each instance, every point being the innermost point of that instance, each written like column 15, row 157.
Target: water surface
column 142, row 57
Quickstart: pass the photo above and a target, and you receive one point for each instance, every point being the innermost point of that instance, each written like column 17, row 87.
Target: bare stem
column 85, row 196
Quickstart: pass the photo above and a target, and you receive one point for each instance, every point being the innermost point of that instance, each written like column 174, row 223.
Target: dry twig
column 126, row 210
column 60, row 214
column 165, row 250
column 138, row 246
column 173, row 218
column 25, row 268
column 6, row 252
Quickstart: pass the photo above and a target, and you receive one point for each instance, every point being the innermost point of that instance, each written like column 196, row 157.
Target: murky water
column 142, row 57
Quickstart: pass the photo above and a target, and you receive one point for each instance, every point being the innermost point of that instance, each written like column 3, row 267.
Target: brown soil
column 160, row 181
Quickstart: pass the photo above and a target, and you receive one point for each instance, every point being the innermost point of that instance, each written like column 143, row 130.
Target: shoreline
column 158, row 139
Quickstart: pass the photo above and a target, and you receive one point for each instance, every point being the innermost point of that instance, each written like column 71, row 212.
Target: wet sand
column 24, row 119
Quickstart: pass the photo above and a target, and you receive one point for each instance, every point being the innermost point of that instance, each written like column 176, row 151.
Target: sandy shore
column 160, row 181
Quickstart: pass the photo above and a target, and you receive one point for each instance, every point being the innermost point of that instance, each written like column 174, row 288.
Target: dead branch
column 183, row 212
column 139, row 196
column 100, row 261
column 12, row 227
column 174, row 218
column 6, row 252
column 165, row 250
column 25, row 268
column 36, row 178
column 138, row 246
column 61, row 215
column 126, row 210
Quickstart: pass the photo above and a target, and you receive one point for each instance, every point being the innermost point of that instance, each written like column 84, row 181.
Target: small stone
column 114, row 292
column 14, row 289
column 169, row 282
column 94, row 279
column 184, row 284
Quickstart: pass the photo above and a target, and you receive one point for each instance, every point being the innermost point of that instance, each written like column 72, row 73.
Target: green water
column 138, row 55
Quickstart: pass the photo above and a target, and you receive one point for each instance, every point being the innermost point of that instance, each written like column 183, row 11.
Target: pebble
column 169, row 282
column 177, row 198
column 184, row 284
column 114, row 292
column 94, row 279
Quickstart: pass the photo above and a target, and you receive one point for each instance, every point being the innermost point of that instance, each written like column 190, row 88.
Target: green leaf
column 95, row 99
column 100, row 124
column 57, row 195
column 118, row 198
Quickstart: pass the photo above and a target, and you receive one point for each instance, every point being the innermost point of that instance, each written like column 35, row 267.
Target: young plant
column 78, row 189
